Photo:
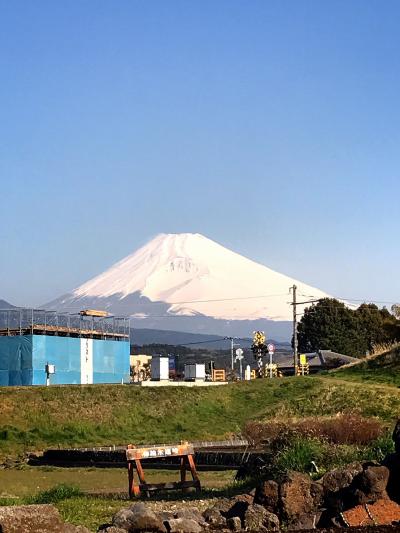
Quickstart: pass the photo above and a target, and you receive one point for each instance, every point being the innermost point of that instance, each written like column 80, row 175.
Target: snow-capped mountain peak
column 193, row 275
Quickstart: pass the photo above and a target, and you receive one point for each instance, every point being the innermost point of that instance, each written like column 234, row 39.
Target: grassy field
column 20, row 483
column 384, row 369
column 35, row 418
column 29, row 485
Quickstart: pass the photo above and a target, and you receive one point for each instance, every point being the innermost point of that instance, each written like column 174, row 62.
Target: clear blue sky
column 272, row 127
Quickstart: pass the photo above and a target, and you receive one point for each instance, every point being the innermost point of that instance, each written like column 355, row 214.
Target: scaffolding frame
column 27, row 321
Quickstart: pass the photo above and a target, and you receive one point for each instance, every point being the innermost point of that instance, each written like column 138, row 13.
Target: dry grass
column 344, row 428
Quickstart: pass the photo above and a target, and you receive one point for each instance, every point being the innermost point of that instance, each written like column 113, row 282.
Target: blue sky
column 272, row 127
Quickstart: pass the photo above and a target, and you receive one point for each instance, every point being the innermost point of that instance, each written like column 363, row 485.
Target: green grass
column 91, row 511
column 34, row 418
column 300, row 453
column 383, row 369
column 28, row 481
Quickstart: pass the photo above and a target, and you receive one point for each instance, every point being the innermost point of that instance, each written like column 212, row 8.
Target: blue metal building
column 83, row 349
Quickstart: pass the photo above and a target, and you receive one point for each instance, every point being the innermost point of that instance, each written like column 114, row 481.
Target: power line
column 216, row 299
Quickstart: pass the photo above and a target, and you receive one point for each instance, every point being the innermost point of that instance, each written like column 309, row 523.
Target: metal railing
column 22, row 319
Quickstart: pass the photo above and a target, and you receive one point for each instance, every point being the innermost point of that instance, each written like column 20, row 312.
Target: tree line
column 331, row 325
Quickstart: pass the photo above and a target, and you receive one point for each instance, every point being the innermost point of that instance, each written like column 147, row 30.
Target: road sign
column 239, row 352
column 303, row 359
column 271, row 348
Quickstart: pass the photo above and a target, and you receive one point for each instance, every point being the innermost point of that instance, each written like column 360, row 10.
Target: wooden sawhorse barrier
column 136, row 454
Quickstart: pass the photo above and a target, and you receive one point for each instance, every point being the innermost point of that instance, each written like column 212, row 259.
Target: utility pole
column 232, row 346
column 295, row 355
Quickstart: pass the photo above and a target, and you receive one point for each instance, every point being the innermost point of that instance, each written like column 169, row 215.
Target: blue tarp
column 16, row 360
column 23, row 360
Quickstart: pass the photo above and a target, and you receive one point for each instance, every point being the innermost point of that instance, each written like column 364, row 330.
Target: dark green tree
column 330, row 325
column 375, row 325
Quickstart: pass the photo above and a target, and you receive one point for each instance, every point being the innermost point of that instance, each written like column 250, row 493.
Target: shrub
column 300, row 455
column 56, row 494
column 380, row 448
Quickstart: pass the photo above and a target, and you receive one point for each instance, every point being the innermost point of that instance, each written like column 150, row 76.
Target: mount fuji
column 187, row 282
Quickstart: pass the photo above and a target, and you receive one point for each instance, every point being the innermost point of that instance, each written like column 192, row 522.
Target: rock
column 271, row 522
column 340, row 478
column 339, row 494
column 370, row 485
column 164, row 516
column 30, row 519
column 223, row 505
column 237, row 510
column 267, row 495
column 295, row 495
column 317, row 493
column 213, row 517
column 257, row 518
column 234, row 523
column 71, row 528
column 304, row 521
column 183, row 525
column 191, row 513
column 138, row 517
column 123, row 519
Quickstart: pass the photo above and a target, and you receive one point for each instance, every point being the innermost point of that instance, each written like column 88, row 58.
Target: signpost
column 239, row 357
column 271, row 351
column 303, row 362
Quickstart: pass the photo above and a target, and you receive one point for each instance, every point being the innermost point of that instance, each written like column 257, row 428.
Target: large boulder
column 257, row 518
column 30, row 519
column 295, row 495
column 138, row 517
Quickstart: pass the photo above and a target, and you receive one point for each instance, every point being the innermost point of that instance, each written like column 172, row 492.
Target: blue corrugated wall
column 23, row 360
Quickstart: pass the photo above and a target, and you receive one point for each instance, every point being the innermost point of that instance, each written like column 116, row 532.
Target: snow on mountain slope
column 195, row 275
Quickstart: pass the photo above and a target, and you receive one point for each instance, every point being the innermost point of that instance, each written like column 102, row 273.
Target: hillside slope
column 33, row 418
column 382, row 367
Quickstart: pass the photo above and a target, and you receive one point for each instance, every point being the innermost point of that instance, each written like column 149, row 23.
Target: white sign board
column 271, row 348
